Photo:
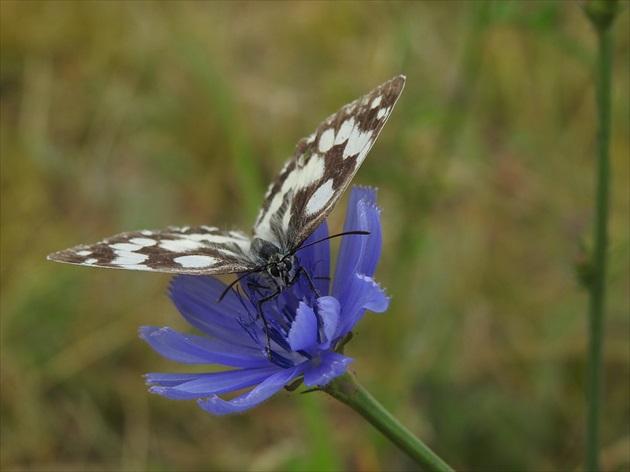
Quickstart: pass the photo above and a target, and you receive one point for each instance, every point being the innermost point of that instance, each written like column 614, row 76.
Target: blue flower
column 305, row 329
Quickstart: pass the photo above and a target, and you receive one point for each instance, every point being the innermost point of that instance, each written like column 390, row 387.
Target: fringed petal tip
column 364, row 197
column 363, row 294
column 375, row 298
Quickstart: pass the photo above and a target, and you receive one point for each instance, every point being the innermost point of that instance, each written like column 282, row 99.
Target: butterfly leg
column 302, row 270
column 265, row 323
column 273, row 296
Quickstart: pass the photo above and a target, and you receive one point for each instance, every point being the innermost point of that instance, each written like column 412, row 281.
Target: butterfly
column 296, row 203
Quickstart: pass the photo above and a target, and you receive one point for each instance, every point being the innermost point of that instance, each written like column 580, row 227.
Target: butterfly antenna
column 345, row 233
column 227, row 289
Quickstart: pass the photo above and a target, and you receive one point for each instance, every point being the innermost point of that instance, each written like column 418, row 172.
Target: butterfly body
column 277, row 267
column 296, row 203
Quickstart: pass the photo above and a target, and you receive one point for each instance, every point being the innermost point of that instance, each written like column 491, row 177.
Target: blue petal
column 192, row 349
column 316, row 259
column 328, row 310
column 260, row 393
column 169, row 380
column 326, row 367
column 358, row 253
column 196, row 297
column 363, row 293
column 303, row 333
column 204, row 385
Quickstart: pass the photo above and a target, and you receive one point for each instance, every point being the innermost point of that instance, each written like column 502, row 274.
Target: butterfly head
column 276, row 266
column 281, row 269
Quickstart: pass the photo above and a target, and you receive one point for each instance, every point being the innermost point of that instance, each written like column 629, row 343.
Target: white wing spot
column 286, row 219
column 84, row 253
column 376, row 102
column 146, row 232
column 195, row 261
column 180, row 245
column 125, row 247
column 382, row 112
column 215, row 238
column 321, row 196
column 90, row 261
column 326, row 140
column 129, row 258
column 344, row 131
column 144, row 242
column 311, row 172
column 357, row 142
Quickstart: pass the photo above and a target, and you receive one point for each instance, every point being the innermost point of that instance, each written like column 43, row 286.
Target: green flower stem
column 601, row 13
column 347, row 390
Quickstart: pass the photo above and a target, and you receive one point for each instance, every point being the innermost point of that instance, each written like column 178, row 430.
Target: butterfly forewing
column 186, row 250
column 323, row 165
column 300, row 198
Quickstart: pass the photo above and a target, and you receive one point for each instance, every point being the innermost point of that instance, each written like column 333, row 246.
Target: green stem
column 347, row 390
column 601, row 13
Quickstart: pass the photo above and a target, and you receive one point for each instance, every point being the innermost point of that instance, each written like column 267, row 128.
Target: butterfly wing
column 187, row 250
column 300, row 198
column 323, row 165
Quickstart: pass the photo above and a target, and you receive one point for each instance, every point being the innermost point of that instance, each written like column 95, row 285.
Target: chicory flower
column 303, row 330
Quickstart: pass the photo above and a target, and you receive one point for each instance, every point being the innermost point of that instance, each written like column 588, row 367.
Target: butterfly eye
column 288, row 265
column 273, row 270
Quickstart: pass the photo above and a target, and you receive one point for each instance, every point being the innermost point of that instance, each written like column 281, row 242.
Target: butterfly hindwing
column 323, row 165
column 186, row 250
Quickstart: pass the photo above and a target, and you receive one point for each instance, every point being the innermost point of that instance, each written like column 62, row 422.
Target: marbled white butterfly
column 301, row 197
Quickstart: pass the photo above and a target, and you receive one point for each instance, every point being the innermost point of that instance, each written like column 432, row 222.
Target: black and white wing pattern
column 300, row 198
column 186, row 250
column 314, row 179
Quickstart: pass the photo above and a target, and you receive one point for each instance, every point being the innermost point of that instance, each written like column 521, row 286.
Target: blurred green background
column 119, row 116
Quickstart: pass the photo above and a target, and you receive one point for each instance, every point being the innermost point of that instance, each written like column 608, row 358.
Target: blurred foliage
column 123, row 115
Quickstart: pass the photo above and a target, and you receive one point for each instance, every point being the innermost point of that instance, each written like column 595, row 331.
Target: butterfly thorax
column 276, row 266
